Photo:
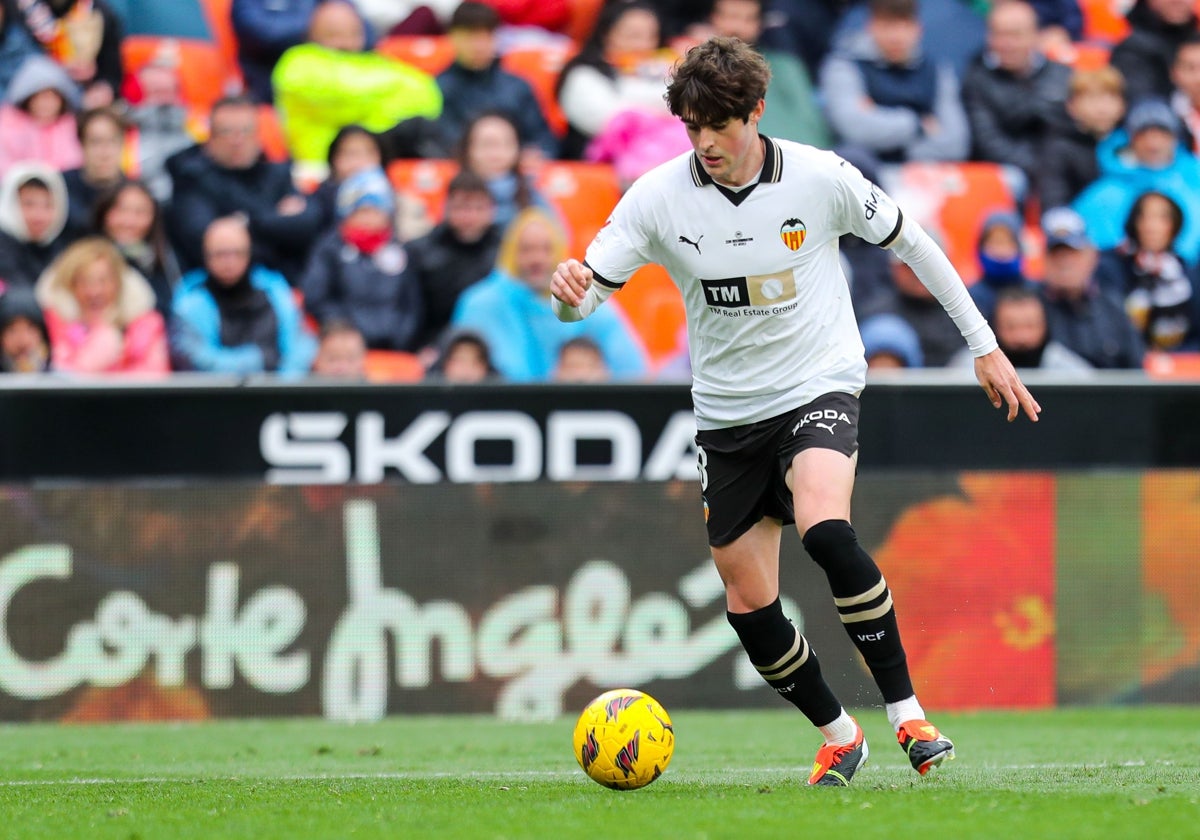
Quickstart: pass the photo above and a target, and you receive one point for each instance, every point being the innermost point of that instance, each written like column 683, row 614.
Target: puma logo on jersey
column 824, row 426
column 696, row 244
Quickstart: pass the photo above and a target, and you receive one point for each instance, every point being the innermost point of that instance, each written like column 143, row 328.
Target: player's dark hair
column 717, row 81
column 1135, row 213
column 893, row 9
column 472, row 17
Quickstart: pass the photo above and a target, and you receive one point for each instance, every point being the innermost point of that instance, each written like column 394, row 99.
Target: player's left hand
column 1002, row 385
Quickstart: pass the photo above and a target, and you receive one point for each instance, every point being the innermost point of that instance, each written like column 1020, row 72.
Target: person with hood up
column 24, row 340
column 100, row 313
column 37, row 120
column 1000, row 256
column 33, row 216
column 359, row 272
column 889, row 343
column 232, row 316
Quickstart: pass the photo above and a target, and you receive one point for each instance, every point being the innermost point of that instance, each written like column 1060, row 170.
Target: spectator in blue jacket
column 235, row 317
column 360, row 271
column 510, row 308
column 474, row 83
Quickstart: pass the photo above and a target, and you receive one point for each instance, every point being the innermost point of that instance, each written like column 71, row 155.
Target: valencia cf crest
column 792, row 232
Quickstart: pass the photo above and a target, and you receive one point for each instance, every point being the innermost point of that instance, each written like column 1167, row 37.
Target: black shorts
column 743, row 469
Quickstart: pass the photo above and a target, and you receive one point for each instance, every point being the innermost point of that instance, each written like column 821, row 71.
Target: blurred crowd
column 145, row 232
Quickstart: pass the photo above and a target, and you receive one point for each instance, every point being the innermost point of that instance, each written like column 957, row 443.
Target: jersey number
column 702, row 466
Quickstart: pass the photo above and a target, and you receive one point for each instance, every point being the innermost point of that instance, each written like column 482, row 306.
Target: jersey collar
column 772, row 172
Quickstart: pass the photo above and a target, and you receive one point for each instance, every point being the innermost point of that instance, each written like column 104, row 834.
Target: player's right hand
column 570, row 282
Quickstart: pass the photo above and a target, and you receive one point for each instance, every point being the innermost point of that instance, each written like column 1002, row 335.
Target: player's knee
column 830, row 541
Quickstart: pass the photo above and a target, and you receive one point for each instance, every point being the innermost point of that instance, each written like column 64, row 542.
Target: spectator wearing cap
column 1147, row 155
column 1023, row 333
column 1089, row 323
column 889, row 342
column 24, row 340
column 1144, row 58
column 475, row 83
column 360, row 273
column 37, row 120
column 232, row 316
column 1000, row 258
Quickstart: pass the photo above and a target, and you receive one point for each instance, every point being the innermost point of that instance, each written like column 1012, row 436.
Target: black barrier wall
column 315, row 433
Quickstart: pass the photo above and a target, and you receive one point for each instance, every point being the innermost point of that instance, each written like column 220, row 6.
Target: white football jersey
column 769, row 319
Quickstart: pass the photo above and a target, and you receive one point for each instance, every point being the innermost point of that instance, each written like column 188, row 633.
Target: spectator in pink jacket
column 101, row 313
column 37, row 120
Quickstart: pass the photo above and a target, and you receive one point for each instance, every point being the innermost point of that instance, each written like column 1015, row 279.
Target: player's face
column 730, row 152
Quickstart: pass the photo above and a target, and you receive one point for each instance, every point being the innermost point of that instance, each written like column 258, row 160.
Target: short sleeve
column 620, row 247
column 863, row 208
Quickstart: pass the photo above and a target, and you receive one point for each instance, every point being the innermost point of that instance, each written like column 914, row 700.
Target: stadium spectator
column 1144, row 58
column 581, row 361
column 955, row 31
column 619, row 69
column 360, row 271
column 407, row 17
column 161, row 125
column 475, row 83
column 130, row 218
column 890, row 343
column 458, row 252
column 1068, row 164
column 1060, row 23
column 33, row 218
column 24, row 340
column 1023, row 334
column 1185, row 76
column 341, row 353
column 353, row 150
column 100, row 313
column 1000, row 258
column 510, row 308
column 491, row 149
column 16, row 44
column 803, row 28
column 1146, row 155
column 792, row 111
column 1146, row 274
column 232, row 316
column 330, row 82
column 229, row 174
column 1014, row 95
column 884, row 95
column 102, row 139
column 37, row 122
column 1080, row 316
column 465, row 358
column 84, row 36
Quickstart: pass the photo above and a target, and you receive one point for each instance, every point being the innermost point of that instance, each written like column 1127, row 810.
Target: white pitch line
column 503, row 775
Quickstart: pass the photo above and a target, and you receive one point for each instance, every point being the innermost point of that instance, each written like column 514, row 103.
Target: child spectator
column 581, row 361
column 1000, row 256
column 360, row 273
column 100, row 313
column 457, row 253
column 342, row 353
column 235, row 317
column 510, row 308
column 1145, row 273
column 33, row 216
column 491, row 148
column 353, row 150
column 130, row 218
column 475, row 83
column 1068, row 165
column 24, row 341
column 465, row 359
column 102, row 139
column 37, row 122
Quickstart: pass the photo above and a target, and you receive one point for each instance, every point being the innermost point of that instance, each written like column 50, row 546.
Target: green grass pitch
column 1108, row 773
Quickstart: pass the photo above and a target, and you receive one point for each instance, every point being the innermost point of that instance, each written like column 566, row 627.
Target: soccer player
column 748, row 229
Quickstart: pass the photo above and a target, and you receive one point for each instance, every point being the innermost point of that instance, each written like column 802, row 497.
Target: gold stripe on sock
column 800, row 660
column 869, row 614
column 870, row 595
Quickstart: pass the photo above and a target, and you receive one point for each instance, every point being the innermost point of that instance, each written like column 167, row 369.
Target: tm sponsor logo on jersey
column 822, row 418
column 763, row 294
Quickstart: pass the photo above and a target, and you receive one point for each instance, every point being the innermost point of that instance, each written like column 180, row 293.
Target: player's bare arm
column 570, row 282
column 1002, row 385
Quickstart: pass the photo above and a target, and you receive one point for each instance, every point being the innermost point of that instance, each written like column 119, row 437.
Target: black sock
column 784, row 659
column 864, row 603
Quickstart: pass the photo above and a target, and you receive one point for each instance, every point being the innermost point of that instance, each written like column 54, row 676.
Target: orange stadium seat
column 270, row 134
column 392, row 366
column 583, row 18
column 584, row 193
column 1172, row 365
column 204, row 75
column 219, row 16
column 1104, row 20
column 1082, row 56
column 423, row 182
column 541, row 68
column 654, row 309
column 431, row 53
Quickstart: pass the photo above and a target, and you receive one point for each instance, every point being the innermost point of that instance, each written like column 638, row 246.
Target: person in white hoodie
column 33, row 216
